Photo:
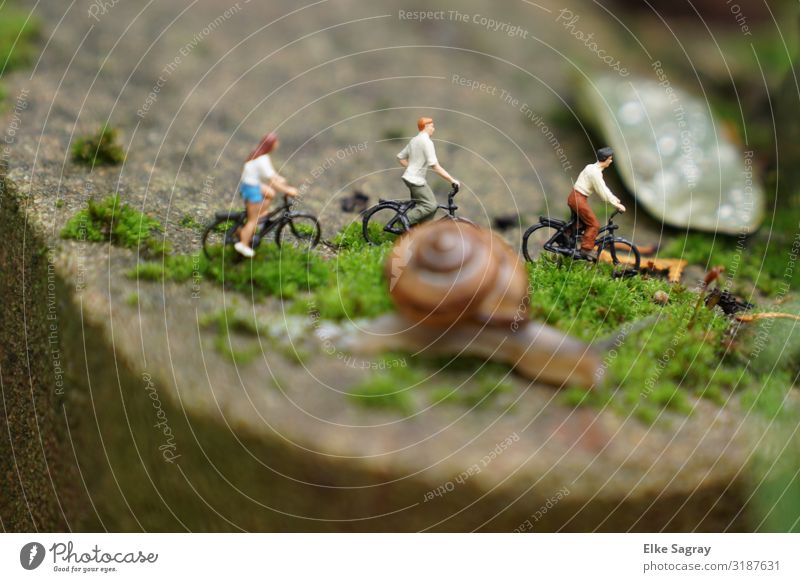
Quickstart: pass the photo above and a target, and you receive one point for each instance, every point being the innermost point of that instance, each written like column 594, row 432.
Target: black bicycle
column 299, row 229
column 563, row 238
column 389, row 218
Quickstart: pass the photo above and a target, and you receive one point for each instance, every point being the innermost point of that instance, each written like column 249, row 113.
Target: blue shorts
column 251, row 194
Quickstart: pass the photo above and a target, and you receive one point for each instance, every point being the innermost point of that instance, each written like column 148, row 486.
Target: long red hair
column 265, row 146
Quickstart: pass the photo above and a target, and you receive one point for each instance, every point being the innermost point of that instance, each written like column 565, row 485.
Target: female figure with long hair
column 257, row 186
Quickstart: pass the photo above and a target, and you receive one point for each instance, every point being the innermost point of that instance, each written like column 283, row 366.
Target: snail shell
column 442, row 272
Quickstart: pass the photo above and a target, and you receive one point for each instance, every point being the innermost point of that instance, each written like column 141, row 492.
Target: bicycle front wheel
column 383, row 223
column 220, row 232
column 301, row 231
column 621, row 253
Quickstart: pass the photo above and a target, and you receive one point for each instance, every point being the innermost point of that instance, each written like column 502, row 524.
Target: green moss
column 356, row 286
column 132, row 299
column 304, row 230
column 390, row 390
column 280, row 271
column 19, row 33
column 584, row 300
column 350, row 286
column 486, row 382
column 658, row 365
column 112, row 221
column 177, row 268
column 232, row 328
column 470, row 382
column 352, row 236
column 102, row 148
column 654, row 367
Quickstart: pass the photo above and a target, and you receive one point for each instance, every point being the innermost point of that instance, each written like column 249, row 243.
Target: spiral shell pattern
column 442, row 272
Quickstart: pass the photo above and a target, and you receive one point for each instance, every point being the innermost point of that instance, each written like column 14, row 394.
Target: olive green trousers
column 426, row 205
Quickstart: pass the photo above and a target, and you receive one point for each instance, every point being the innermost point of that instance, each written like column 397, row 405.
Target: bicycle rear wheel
column 537, row 237
column 383, row 223
column 220, row 232
column 301, row 231
column 622, row 254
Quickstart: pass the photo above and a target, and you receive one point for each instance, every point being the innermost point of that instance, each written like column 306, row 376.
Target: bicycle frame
column 604, row 235
column 400, row 222
column 271, row 220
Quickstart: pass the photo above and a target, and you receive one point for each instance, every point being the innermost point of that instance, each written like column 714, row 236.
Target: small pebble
column 660, row 297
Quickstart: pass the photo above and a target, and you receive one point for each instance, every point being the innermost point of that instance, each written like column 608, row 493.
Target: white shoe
column 244, row 250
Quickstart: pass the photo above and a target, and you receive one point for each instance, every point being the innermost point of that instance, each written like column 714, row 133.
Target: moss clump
column 177, row 268
column 584, row 300
column 656, row 363
column 230, row 327
column 102, row 148
column 280, row 271
column 389, row 390
column 471, row 382
column 356, row 286
column 351, row 237
column 486, row 382
column 19, row 31
column 350, row 286
column 235, row 333
column 109, row 220
column 650, row 367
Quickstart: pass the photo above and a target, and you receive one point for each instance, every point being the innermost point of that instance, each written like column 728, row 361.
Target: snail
column 462, row 290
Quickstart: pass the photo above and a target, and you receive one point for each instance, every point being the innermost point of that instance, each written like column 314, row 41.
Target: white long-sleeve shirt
column 590, row 181
column 421, row 155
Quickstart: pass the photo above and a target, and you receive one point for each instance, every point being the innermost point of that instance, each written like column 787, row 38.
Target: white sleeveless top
column 257, row 171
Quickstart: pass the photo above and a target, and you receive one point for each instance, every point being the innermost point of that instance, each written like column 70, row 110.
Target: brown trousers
column 580, row 205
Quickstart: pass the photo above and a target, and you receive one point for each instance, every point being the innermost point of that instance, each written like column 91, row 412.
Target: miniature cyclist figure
column 416, row 158
column 590, row 181
column 257, row 186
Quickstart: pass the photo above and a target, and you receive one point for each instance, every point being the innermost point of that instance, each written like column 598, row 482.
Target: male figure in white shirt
column 590, row 181
column 416, row 158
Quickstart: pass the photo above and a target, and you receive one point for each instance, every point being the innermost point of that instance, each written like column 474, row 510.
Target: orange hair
column 423, row 121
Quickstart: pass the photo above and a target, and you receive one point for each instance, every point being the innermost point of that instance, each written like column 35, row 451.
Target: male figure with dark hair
column 590, row 181
column 416, row 158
